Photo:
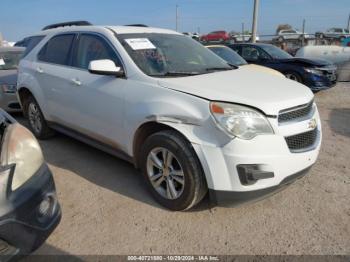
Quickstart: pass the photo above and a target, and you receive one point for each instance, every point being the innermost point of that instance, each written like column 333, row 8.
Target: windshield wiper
column 221, row 68
column 176, row 73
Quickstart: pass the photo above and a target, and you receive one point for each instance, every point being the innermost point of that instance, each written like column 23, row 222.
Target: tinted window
column 92, row 47
column 228, row 55
column 30, row 43
column 57, row 50
column 338, row 30
column 275, row 52
column 252, row 53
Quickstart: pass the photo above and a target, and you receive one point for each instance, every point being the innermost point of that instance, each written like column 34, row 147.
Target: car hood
column 8, row 77
column 243, row 86
column 306, row 62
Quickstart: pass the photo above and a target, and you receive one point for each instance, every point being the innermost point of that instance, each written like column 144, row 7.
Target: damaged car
column 29, row 210
column 190, row 121
column 9, row 60
column 316, row 74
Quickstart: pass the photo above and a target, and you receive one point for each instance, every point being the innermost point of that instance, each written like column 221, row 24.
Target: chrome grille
column 295, row 113
column 303, row 141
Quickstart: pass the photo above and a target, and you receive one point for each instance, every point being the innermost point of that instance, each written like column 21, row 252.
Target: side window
column 237, row 49
column 93, row 47
column 32, row 42
column 251, row 53
column 57, row 50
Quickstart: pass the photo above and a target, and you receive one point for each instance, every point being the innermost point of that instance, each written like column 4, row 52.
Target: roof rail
column 72, row 23
column 138, row 25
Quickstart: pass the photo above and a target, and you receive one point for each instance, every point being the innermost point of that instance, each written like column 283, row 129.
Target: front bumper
column 22, row 227
column 273, row 162
column 231, row 198
column 317, row 83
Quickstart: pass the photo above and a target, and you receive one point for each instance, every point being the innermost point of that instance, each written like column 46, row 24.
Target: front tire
column 172, row 171
column 37, row 122
column 293, row 76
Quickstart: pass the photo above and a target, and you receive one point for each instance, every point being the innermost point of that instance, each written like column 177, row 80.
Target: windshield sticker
column 2, row 62
column 140, row 43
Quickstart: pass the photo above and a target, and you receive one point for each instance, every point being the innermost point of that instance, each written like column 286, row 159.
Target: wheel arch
column 146, row 130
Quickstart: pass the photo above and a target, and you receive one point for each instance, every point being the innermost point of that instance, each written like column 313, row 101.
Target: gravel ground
column 106, row 209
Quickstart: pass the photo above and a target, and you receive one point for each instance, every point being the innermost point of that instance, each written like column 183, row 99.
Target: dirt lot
column 106, row 209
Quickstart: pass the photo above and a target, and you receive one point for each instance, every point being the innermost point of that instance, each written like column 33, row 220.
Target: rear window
column 30, row 43
column 57, row 50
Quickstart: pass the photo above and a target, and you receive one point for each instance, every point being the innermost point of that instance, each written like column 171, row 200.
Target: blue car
column 316, row 74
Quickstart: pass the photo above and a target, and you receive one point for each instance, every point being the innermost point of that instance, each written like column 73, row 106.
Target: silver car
column 9, row 59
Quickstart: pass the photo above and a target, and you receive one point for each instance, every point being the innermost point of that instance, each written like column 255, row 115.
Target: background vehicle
column 238, row 38
column 316, row 74
column 194, row 36
column 291, row 34
column 9, row 59
column 335, row 33
column 155, row 96
column 29, row 210
column 216, row 36
column 227, row 54
column 338, row 55
column 233, row 58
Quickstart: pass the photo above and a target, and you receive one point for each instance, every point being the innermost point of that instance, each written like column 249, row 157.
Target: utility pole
column 349, row 23
column 177, row 17
column 255, row 20
column 303, row 37
column 243, row 33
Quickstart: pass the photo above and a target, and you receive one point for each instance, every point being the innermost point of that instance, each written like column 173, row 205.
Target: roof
column 12, row 49
column 257, row 44
column 116, row 29
column 214, row 46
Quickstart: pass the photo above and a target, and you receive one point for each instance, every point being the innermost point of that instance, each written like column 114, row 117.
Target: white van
column 191, row 122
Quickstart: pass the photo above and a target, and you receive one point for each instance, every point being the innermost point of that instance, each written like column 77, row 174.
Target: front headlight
column 6, row 88
column 21, row 148
column 240, row 121
column 314, row 71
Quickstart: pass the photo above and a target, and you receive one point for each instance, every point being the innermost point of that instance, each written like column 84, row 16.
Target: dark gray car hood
column 306, row 62
column 8, row 77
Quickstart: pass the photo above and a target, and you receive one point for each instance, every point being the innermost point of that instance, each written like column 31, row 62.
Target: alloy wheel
column 34, row 117
column 165, row 173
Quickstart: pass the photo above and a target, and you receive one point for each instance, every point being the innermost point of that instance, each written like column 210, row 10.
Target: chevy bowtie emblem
column 312, row 124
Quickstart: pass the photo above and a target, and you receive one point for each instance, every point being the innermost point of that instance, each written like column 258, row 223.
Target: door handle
column 39, row 70
column 76, row 82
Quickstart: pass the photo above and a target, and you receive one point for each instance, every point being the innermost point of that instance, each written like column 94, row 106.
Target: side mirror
column 105, row 67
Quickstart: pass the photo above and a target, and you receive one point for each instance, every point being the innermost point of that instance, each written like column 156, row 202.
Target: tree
column 283, row 27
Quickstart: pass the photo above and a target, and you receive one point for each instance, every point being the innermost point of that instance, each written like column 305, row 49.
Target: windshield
column 170, row 55
column 275, row 52
column 228, row 55
column 9, row 60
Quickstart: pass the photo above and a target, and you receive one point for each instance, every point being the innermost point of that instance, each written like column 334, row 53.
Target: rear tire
column 172, row 171
column 36, row 120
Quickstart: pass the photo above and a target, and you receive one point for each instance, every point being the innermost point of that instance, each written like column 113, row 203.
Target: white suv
column 191, row 122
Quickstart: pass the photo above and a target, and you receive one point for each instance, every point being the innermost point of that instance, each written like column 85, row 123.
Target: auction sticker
column 140, row 43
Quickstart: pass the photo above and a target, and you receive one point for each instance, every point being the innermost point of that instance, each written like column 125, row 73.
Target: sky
column 20, row 18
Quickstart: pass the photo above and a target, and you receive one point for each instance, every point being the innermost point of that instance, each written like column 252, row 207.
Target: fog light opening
column 46, row 208
column 249, row 174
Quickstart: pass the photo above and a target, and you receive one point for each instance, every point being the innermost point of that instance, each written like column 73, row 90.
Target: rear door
column 53, row 74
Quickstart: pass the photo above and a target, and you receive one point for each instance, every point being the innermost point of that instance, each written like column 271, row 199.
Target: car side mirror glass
column 105, row 67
